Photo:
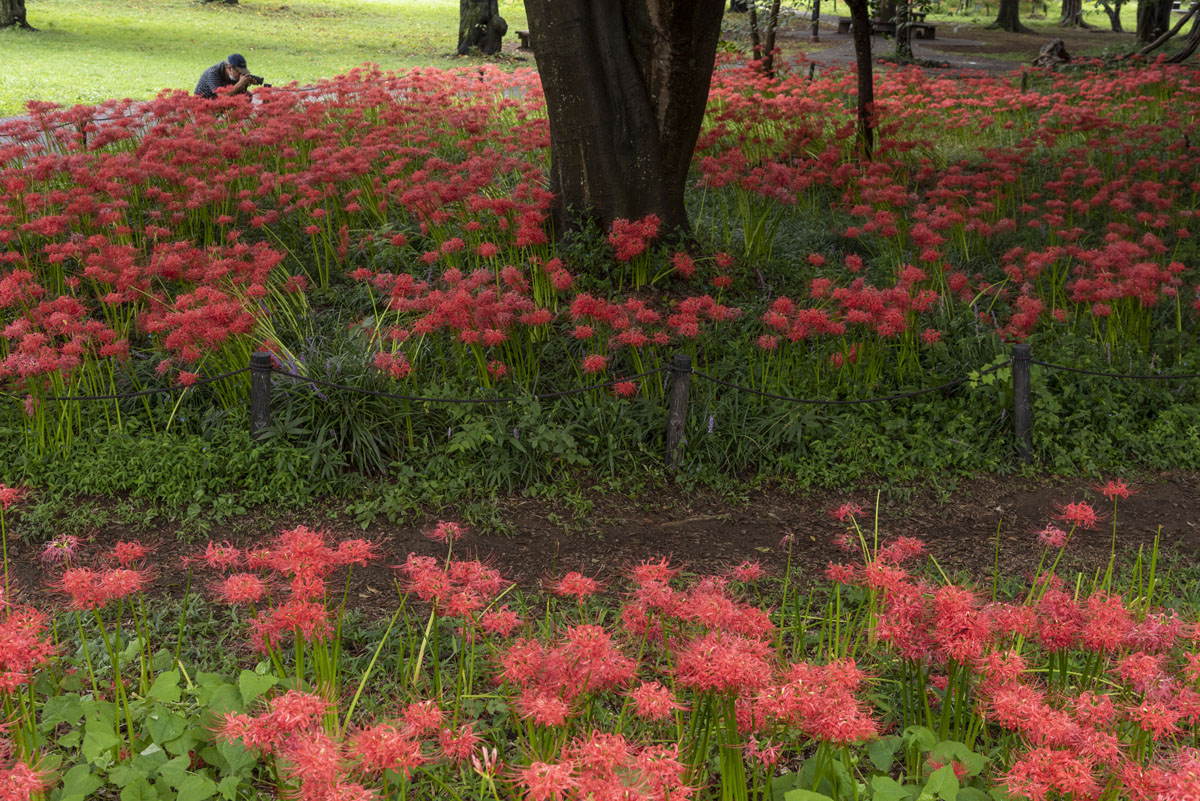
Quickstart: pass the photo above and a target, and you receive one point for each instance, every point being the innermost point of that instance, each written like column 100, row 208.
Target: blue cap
column 237, row 60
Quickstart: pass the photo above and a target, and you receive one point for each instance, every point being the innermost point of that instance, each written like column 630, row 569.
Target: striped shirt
column 213, row 79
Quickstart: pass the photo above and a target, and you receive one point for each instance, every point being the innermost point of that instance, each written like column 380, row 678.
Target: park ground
column 971, row 527
column 87, row 51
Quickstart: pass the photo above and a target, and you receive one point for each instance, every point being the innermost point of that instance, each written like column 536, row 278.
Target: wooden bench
column 523, row 37
column 920, row 29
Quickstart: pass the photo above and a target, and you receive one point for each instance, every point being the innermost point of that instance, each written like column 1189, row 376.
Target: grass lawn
column 86, row 51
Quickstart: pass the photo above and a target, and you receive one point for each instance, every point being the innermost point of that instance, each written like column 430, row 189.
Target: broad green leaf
column 166, row 687
column 972, row 794
column 804, row 795
column 196, row 788
column 781, row 784
column 139, row 790
column 123, row 774
column 175, row 771
column 252, row 685
column 888, row 789
column 97, row 742
column 920, row 737
column 61, row 709
column 952, row 749
column 942, row 784
column 228, row 788
column 165, row 726
column 883, row 751
column 79, row 783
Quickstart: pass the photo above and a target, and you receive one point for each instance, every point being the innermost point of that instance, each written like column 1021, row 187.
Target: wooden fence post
column 260, row 391
column 681, row 377
column 1022, row 403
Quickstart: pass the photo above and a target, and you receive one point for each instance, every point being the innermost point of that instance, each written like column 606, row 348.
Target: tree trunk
column 769, row 41
column 1114, row 16
column 480, row 27
column 1153, row 19
column 903, row 51
column 1191, row 44
column 1008, row 18
column 860, row 32
column 1072, row 14
column 12, row 13
column 626, row 84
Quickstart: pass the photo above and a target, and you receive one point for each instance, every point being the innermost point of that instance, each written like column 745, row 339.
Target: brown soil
column 709, row 534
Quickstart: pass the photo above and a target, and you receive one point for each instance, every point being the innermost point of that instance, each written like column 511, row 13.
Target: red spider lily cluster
column 299, row 561
column 325, row 768
column 1076, row 732
column 192, row 232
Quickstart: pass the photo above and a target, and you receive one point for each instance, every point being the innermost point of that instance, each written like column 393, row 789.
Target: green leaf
column 228, row 788
column 942, row 784
column 165, row 726
column 97, row 742
column 166, row 687
column 804, row 795
column 61, row 709
column 882, row 752
column 79, row 784
column 888, row 789
column 952, row 749
column 972, row 794
column 139, row 790
column 252, row 685
column 196, row 788
column 920, row 737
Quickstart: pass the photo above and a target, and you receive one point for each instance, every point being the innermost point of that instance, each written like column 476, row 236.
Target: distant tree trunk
column 860, row 32
column 12, row 14
column 626, row 85
column 1072, row 14
column 739, row 6
column 480, row 27
column 1190, row 45
column 1114, row 16
column 1153, row 19
column 762, row 43
column 1008, row 18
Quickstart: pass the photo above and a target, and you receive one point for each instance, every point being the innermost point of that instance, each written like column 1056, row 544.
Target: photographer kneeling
column 230, row 72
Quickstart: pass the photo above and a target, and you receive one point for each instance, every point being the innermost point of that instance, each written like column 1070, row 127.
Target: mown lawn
column 90, row 50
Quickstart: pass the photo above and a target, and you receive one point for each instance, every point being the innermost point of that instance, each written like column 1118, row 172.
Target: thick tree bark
column 626, row 84
column 860, row 32
column 1072, row 14
column 480, row 27
column 1153, row 19
column 1114, row 15
column 1008, row 18
column 12, row 14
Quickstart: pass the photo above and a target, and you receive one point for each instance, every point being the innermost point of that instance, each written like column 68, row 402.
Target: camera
column 257, row 80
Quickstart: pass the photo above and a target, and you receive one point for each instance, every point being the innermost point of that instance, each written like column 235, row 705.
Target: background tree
column 1072, row 14
column 1153, row 19
column 480, row 26
column 1008, row 18
column 12, row 14
column 626, row 85
column 860, row 32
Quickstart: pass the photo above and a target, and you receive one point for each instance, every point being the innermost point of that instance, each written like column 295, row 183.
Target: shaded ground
column 709, row 534
column 960, row 44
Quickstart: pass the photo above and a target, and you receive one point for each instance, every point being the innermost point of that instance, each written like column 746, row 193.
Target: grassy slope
column 90, row 50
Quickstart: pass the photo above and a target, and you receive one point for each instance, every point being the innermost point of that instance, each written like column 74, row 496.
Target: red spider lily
column 127, row 553
column 575, row 585
column 10, row 495
column 1079, row 514
column 652, row 701
column 1116, row 488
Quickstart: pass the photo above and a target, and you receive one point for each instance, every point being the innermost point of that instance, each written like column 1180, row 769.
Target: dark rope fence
column 680, row 372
